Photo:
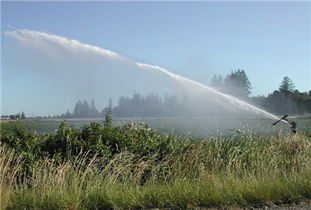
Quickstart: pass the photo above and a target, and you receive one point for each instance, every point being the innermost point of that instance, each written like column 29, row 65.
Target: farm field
column 105, row 166
column 193, row 127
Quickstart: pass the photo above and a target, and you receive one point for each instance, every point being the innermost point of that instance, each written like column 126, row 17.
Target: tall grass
column 241, row 170
column 10, row 165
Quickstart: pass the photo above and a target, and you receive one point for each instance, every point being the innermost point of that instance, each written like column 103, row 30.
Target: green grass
column 156, row 171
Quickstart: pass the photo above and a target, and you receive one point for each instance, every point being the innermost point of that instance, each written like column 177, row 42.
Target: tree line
column 138, row 105
column 286, row 99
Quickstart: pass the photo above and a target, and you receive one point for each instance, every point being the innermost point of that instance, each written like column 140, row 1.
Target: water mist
column 45, row 42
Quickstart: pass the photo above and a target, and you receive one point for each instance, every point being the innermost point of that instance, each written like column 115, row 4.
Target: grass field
column 122, row 167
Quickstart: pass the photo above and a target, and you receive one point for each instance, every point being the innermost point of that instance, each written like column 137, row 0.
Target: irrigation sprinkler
column 293, row 124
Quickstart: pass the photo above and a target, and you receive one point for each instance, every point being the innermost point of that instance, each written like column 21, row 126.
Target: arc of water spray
column 232, row 99
column 29, row 35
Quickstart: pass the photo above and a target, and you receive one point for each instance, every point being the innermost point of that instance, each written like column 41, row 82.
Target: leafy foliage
column 102, row 139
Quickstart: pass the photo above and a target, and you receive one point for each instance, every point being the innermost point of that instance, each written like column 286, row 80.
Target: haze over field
column 44, row 73
column 80, row 71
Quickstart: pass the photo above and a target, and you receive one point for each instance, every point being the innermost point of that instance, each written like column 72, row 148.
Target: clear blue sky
column 269, row 40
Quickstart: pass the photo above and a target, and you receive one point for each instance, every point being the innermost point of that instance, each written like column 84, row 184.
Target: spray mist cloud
column 107, row 61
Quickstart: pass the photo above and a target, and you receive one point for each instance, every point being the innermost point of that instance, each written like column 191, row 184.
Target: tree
column 108, row 117
column 287, row 85
column 216, row 81
column 68, row 114
column 93, row 111
column 85, row 109
column 110, row 103
column 77, row 112
column 23, row 115
column 237, row 84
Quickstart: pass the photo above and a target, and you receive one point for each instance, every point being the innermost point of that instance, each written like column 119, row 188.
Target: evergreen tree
column 85, row 109
column 77, row 112
column 216, row 81
column 287, row 85
column 23, row 115
column 237, row 84
column 93, row 111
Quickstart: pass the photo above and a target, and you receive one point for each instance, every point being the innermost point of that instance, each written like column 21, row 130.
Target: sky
column 269, row 40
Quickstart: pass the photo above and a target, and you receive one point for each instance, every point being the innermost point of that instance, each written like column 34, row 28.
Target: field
column 105, row 166
column 192, row 127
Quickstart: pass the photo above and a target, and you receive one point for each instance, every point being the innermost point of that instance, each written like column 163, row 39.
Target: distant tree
column 85, row 109
column 213, row 80
column 286, row 99
column 171, row 105
column 108, row 117
column 23, row 115
column 110, row 103
column 121, row 109
column 287, row 85
column 151, row 106
column 137, row 104
column 68, row 114
column 77, row 112
column 216, row 81
column 237, row 84
column 93, row 112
